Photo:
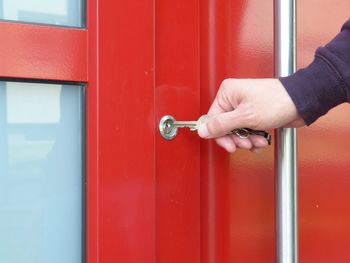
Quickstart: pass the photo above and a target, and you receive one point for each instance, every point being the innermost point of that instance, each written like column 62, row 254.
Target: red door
column 186, row 200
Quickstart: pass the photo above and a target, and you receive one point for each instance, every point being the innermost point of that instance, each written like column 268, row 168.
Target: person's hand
column 259, row 104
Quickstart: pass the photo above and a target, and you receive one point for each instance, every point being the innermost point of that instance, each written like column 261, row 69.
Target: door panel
column 177, row 161
column 126, row 131
column 238, row 191
column 182, row 202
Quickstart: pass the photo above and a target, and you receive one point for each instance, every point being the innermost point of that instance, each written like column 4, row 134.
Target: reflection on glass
column 41, row 173
column 54, row 12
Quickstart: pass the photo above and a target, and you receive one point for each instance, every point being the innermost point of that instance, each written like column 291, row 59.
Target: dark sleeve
column 325, row 83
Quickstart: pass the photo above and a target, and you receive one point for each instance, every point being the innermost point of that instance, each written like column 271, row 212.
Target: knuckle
column 227, row 97
column 226, row 84
column 251, row 116
column 223, row 102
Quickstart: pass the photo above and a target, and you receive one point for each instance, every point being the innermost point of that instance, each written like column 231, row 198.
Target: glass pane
column 42, row 177
column 54, row 12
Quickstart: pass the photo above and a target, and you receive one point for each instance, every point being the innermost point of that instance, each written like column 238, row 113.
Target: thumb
column 222, row 124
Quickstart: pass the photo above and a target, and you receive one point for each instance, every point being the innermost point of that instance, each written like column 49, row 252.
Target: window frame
column 49, row 53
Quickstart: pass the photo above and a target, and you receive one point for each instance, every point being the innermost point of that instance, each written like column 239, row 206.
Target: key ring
column 244, row 133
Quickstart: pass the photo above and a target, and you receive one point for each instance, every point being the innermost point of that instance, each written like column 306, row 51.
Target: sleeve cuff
column 315, row 89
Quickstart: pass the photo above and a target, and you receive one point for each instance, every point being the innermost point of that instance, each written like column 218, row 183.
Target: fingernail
column 229, row 146
column 203, row 131
column 257, row 151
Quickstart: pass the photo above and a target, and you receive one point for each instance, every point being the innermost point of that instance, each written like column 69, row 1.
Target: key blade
column 185, row 124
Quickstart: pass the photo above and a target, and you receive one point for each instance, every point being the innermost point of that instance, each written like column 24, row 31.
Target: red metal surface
column 215, row 236
column 126, row 134
column 43, row 52
column 177, row 161
column 324, row 151
column 186, row 200
column 238, row 190
column 150, row 211
column 92, row 136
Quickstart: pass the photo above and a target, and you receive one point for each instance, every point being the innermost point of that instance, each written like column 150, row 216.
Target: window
column 42, row 174
column 54, row 12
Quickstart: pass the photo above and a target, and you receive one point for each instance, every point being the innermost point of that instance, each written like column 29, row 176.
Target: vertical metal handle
column 286, row 140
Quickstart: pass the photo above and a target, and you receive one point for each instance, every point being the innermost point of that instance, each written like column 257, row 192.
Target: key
column 193, row 125
column 168, row 127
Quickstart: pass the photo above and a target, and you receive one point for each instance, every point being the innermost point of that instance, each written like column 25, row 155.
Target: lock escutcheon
column 166, row 127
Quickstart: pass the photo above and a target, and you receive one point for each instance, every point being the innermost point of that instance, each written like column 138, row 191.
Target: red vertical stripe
column 126, row 169
column 177, row 93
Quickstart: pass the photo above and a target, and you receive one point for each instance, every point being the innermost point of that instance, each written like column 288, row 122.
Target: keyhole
column 166, row 127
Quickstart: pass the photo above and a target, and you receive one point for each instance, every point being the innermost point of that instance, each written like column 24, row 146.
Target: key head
column 202, row 119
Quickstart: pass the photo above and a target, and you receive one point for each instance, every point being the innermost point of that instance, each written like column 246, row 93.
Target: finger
column 256, row 150
column 242, row 143
column 227, row 143
column 258, row 141
column 215, row 108
column 222, row 102
column 222, row 124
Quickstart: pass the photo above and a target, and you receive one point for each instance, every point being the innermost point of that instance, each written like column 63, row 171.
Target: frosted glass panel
column 42, row 177
column 54, row 12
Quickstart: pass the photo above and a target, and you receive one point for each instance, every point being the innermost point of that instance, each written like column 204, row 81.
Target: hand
column 259, row 104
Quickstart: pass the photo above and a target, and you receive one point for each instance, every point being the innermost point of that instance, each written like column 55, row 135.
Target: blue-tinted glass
column 54, row 12
column 41, row 173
